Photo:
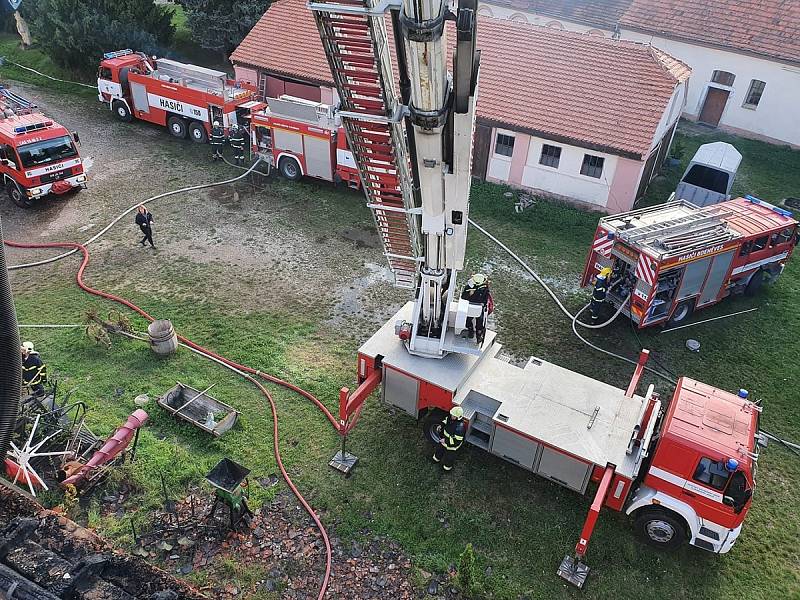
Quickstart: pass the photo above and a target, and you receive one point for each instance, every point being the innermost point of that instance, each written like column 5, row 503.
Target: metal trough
column 199, row 409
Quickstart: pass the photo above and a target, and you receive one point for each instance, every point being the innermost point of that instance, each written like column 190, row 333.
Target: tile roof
column 596, row 13
column 769, row 28
column 586, row 90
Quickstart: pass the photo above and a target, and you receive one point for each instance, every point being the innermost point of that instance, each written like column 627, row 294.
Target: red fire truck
column 187, row 99
column 301, row 137
column 668, row 261
column 37, row 155
column 684, row 472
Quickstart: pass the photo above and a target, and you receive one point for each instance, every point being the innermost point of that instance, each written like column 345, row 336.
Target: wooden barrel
column 163, row 339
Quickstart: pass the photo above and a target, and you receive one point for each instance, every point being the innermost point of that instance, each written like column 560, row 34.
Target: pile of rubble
column 45, row 556
column 283, row 546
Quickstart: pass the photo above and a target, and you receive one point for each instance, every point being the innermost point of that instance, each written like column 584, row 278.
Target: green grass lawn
column 520, row 525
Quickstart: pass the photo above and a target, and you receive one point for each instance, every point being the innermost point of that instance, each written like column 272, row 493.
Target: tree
column 222, row 24
column 76, row 33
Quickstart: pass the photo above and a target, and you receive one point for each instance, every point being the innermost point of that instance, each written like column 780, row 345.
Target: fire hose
column 244, row 371
column 565, row 310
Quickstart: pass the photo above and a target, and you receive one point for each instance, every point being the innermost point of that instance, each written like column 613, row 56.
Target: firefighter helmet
column 479, row 279
column 27, row 346
column 216, row 123
column 457, row 412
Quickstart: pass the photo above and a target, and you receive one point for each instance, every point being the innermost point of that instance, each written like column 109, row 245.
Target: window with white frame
column 592, row 165
column 723, row 78
column 754, row 93
column 551, row 156
column 504, row 145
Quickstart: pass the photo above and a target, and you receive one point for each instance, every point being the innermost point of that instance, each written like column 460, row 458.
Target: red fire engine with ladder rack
column 37, row 155
column 187, row 99
column 303, row 138
column 668, row 261
column 684, row 471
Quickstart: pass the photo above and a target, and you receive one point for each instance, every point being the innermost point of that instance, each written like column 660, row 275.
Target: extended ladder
column 354, row 37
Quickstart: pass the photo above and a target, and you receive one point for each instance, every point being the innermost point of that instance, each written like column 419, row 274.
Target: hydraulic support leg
column 572, row 569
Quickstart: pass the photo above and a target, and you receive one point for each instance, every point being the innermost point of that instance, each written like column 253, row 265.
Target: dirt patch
column 361, row 237
column 279, row 552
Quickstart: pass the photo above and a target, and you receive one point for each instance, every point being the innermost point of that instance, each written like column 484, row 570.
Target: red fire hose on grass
column 246, row 372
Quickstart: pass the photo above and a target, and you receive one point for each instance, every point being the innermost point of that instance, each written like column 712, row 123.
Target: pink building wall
column 519, row 158
column 622, row 193
column 246, row 74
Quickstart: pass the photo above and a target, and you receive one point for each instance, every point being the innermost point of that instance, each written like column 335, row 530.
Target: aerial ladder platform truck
column 683, row 470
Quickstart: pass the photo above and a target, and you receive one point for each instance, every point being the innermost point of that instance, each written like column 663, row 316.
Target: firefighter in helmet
column 599, row 293
column 477, row 292
column 217, row 140
column 453, row 431
column 238, row 139
column 34, row 371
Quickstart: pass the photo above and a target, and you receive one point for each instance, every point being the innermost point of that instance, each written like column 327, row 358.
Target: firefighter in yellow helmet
column 477, row 292
column 453, row 431
column 599, row 293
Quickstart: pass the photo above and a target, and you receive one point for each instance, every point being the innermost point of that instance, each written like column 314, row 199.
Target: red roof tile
column 594, row 13
column 590, row 91
column 769, row 28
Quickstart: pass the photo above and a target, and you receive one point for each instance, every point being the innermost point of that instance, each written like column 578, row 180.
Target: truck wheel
column 755, row 283
column 17, row 196
column 121, row 111
column 177, row 127
column 290, row 168
column 660, row 528
column 683, row 311
column 433, row 425
column 197, row 132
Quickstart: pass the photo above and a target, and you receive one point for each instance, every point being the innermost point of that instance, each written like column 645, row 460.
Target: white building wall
column 567, row 179
column 523, row 169
column 512, row 14
column 777, row 115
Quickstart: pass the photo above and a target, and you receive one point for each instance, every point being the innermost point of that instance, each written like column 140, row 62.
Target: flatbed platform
column 541, row 416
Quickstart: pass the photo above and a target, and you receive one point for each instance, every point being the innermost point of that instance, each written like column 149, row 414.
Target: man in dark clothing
column 238, row 140
column 453, row 432
column 144, row 219
column 34, row 371
column 477, row 292
column 217, row 140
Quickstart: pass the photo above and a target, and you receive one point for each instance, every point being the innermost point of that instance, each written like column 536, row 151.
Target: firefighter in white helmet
column 217, row 140
column 238, row 138
column 453, row 431
column 34, row 371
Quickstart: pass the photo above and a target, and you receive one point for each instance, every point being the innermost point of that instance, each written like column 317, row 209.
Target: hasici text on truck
column 187, row 99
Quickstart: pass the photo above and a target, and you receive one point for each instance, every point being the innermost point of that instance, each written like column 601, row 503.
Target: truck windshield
column 47, row 151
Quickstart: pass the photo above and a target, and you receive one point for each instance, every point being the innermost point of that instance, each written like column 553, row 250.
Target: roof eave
column 678, row 38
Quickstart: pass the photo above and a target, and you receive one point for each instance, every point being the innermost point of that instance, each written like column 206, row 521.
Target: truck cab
column 700, row 480
column 37, row 155
column 112, row 79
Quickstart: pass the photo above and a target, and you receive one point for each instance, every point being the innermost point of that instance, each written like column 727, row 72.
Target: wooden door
column 480, row 151
column 713, row 106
